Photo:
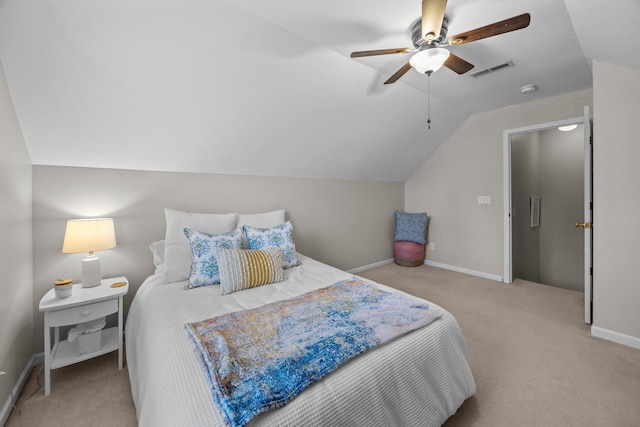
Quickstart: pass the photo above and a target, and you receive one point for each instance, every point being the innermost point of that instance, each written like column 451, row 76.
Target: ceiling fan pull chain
column 428, row 100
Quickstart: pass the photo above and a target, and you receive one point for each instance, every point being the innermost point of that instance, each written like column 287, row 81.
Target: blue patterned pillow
column 280, row 236
column 411, row 227
column 204, row 264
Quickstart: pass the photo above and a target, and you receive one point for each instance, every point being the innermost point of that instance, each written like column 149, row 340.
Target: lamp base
column 91, row 275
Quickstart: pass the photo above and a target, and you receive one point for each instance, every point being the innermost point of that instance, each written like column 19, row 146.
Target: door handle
column 586, row 225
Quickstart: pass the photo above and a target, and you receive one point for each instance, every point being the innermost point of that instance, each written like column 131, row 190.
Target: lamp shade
column 89, row 235
column 429, row 60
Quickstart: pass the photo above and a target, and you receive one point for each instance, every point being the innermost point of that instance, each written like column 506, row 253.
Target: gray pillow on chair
column 411, row 227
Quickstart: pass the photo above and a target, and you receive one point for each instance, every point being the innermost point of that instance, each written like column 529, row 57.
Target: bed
column 420, row 378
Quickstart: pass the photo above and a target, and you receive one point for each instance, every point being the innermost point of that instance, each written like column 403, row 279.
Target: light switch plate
column 484, row 200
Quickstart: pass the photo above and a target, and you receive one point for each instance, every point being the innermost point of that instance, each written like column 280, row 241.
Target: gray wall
column 16, row 269
column 616, row 283
column 470, row 164
column 345, row 223
column 549, row 164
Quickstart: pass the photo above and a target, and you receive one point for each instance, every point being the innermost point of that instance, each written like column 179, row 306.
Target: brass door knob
column 586, row 225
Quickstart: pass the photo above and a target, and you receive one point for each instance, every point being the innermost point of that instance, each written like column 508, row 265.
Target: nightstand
column 83, row 305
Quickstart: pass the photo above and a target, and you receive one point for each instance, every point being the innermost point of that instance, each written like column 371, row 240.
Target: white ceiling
column 268, row 88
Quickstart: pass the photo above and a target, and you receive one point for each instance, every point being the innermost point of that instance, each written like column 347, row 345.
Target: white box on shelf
column 88, row 343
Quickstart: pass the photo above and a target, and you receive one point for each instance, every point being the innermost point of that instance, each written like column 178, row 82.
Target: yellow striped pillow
column 244, row 269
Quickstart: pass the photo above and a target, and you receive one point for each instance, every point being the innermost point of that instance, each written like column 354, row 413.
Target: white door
column 586, row 223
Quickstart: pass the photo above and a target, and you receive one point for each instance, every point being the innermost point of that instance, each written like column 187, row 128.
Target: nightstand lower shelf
column 65, row 353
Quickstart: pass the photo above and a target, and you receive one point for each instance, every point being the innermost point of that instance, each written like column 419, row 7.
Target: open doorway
column 550, row 200
column 547, row 197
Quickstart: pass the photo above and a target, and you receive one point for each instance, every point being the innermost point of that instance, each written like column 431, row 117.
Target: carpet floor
column 533, row 359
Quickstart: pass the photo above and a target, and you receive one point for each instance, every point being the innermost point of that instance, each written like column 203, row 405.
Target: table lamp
column 89, row 235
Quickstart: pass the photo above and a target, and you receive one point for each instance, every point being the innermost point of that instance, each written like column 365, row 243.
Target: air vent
column 492, row 69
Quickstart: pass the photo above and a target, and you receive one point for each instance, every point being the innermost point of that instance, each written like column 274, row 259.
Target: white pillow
column 177, row 253
column 262, row 220
column 157, row 249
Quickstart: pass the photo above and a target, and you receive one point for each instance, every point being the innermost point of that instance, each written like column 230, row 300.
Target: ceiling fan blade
column 511, row 24
column 457, row 64
column 379, row 52
column 406, row 67
column 432, row 16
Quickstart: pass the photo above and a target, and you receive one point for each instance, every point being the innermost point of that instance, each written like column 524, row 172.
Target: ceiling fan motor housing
column 420, row 43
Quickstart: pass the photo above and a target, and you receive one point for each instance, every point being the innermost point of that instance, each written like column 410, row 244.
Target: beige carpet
column 91, row 393
column 533, row 359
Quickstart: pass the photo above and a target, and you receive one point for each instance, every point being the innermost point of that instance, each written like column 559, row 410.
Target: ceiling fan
column 428, row 35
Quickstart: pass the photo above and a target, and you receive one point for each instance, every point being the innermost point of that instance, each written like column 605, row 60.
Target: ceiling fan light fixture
column 429, row 60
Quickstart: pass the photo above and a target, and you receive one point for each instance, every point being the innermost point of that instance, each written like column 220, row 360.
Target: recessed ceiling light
column 567, row 128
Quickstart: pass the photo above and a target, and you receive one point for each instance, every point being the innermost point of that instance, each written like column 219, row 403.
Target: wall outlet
column 484, row 200
column 431, row 246
column 3, row 373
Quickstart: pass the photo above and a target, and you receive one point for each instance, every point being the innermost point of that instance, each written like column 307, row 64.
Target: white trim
column 506, row 188
column 588, row 209
column 548, row 125
column 370, row 266
column 616, row 337
column 36, row 359
column 495, row 277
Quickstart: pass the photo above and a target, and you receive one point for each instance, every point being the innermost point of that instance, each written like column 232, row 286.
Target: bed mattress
column 420, row 378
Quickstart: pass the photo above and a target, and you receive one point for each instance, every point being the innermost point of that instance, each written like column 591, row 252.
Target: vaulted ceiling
column 268, row 87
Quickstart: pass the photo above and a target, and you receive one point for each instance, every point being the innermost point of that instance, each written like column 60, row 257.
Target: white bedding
column 419, row 379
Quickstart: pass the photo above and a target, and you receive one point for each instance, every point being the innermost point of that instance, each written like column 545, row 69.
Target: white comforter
column 419, row 379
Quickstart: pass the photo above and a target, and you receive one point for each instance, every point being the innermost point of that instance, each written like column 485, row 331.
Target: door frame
column 508, row 227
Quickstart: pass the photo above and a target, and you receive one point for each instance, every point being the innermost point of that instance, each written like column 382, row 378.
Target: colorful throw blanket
column 260, row 359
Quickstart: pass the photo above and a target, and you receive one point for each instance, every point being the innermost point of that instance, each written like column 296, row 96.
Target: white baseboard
column 370, row 266
column 617, row 337
column 36, row 359
column 433, row 264
column 464, row 270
